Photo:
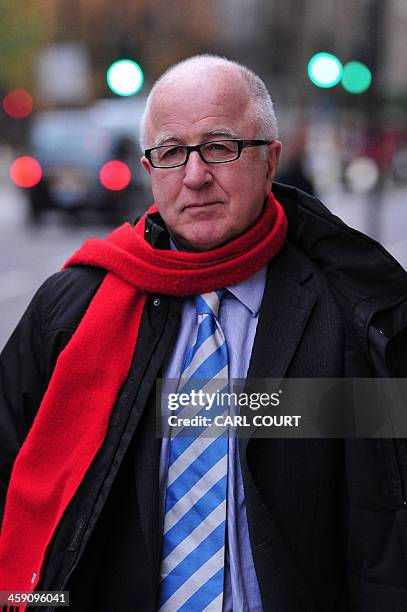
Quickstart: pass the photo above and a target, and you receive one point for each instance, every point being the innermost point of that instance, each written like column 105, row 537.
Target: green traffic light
column 325, row 70
column 356, row 77
column 125, row 77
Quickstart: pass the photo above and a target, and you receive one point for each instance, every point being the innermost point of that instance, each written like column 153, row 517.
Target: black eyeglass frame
column 241, row 144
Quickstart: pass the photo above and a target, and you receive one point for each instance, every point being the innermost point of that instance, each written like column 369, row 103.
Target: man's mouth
column 197, row 205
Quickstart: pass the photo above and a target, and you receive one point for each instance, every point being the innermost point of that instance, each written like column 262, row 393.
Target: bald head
column 188, row 79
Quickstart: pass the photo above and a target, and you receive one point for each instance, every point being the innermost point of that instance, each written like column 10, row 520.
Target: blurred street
column 30, row 254
column 385, row 221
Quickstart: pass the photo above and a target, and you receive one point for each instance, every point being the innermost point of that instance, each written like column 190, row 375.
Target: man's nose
column 197, row 173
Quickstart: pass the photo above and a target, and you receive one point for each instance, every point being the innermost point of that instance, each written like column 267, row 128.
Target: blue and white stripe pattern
column 193, row 551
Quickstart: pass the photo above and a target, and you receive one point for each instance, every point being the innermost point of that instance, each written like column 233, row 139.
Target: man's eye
column 218, row 146
column 221, row 148
column 172, row 152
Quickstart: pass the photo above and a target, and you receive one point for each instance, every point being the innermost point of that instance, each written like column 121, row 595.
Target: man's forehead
column 215, row 106
column 162, row 137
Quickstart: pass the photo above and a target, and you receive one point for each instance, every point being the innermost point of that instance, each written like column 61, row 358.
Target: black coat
column 327, row 518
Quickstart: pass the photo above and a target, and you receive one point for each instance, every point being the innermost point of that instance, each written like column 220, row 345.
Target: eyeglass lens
column 174, row 155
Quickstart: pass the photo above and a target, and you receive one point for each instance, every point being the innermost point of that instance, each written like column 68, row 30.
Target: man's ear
column 274, row 150
column 146, row 164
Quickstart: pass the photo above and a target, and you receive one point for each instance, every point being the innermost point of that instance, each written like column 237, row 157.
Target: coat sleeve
column 22, row 386
column 28, row 359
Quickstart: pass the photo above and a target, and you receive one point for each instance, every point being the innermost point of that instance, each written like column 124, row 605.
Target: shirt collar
column 250, row 291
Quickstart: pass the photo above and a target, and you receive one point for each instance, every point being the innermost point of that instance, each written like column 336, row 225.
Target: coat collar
column 363, row 277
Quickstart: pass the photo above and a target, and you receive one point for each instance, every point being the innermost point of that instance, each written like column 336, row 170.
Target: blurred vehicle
column 73, row 147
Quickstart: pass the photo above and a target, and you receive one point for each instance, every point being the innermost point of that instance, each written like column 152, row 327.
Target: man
column 287, row 291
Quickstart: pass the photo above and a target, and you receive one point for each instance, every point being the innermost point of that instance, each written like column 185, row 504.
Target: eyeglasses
column 213, row 152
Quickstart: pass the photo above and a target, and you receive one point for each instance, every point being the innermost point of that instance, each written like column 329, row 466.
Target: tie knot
column 208, row 303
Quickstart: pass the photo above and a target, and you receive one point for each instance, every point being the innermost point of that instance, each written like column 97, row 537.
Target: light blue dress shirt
column 238, row 318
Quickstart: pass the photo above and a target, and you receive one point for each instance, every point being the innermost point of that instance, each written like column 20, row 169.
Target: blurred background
column 74, row 75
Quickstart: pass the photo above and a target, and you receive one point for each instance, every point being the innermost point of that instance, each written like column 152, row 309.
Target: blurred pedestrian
column 294, row 172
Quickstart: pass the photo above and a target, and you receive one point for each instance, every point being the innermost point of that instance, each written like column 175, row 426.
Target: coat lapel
column 286, row 307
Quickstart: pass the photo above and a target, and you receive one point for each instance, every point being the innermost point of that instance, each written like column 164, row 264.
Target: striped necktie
column 193, row 551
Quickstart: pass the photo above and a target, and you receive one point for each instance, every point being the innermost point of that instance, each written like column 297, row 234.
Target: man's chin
column 199, row 243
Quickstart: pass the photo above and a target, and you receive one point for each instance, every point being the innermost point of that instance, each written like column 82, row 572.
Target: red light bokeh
column 18, row 103
column 115, row 175
column 25, row 172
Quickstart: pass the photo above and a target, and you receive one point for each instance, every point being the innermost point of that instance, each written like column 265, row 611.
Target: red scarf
column 72, row 421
